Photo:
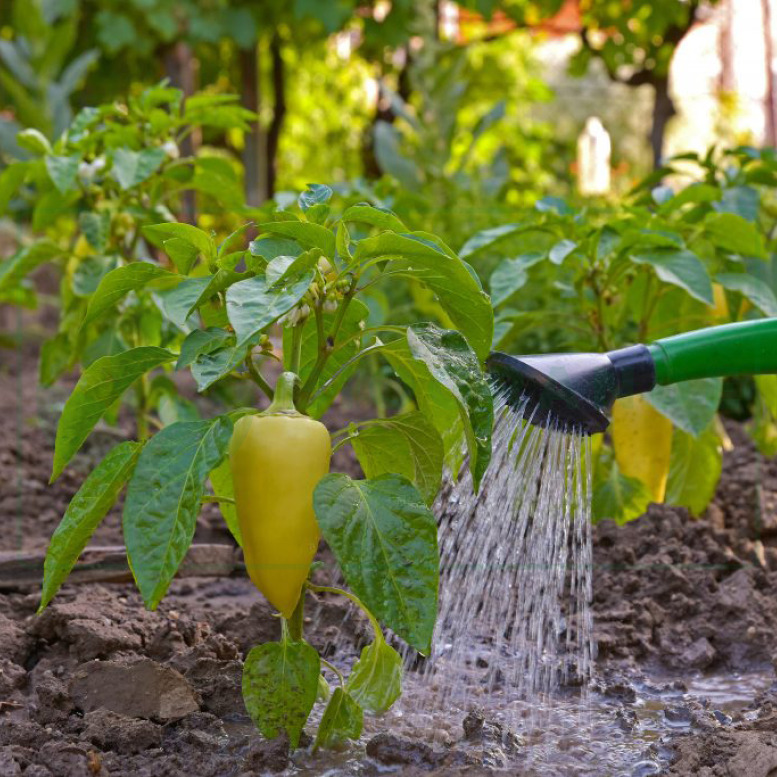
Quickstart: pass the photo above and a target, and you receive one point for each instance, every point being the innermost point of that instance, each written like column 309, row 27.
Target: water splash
column 515, row 566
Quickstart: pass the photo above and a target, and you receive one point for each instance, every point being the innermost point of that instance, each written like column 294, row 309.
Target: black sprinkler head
column 574, row 390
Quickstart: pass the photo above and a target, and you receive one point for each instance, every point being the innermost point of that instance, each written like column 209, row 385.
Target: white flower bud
column 170, row 147
column 330, row 305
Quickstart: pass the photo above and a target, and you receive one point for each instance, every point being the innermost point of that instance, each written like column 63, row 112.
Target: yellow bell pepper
column 642, row 439
column 277, row 458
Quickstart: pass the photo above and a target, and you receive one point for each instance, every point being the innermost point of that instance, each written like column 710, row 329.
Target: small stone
column 698, row 655
column 138, row 689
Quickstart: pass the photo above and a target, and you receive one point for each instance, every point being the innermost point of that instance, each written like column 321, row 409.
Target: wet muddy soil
column 685, row 619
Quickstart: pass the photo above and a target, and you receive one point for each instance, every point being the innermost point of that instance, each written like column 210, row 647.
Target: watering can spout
column 578, row 390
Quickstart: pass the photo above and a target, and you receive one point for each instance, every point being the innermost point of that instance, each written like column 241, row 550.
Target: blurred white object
column 593, row 158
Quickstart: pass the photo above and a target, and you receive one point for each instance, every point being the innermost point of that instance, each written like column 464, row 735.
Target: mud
column 98, row 686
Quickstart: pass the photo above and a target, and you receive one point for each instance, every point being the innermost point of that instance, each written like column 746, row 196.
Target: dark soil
column 98, row 686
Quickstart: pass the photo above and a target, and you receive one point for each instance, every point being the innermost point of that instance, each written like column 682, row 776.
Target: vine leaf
column 87, row 508
column 385, row 540
column 163, row 499
column 100, row 385
column 280, row 685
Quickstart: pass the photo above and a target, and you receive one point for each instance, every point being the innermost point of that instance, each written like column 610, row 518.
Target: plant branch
column 324, row 386
column 257, row 377
column 333, row 668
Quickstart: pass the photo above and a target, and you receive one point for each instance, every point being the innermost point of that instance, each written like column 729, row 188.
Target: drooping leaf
column 87, row 508
column 385, row 540
column 680, row 268
column 375, row 682
column 691, row 405
column 375, row 217
column 307, row 234
column 254, row 304
column 754, row 290
column 118, row 283
column 694, row 469
column 406, row 444
column 163, row 499
column 342, row 720
column 99, row 386
column 280, row 683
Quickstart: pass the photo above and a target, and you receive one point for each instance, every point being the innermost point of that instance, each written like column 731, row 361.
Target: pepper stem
column 283, row 398
column 297, row 618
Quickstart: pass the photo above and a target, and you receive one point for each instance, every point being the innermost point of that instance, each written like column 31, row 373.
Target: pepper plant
column 308, row 276
column 88, row 196
column 669, row 259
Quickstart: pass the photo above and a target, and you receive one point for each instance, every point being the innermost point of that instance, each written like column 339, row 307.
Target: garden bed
column 685, row 611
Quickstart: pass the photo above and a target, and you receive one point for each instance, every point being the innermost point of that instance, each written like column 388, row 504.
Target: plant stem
column 257, row 377
column 355, row 599
column 218, row 499
column 296, row 348
column 295, row 623
column 283, row 396
column 142, row 399
column 339, row 674
column 345, row 366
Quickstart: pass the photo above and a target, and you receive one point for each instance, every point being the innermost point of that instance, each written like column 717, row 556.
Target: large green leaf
column 308, row 235
column 342, row 720
column 732, row 233
column 11, row 179
column 457, row 291
column 86, row 509
column 407, row 445
column 487, row 238
column 100, row 385
column 177, row 303
column 619, row 497
column 751, row 288
column 375, row 217
column 352, row 322
column 163, row 499
column 119, row 282
column 13, row 270
column 680, row 268
column 220, row 280
column 375, row 681
column 691, row 405
column 201, row 341
column 280, row 683
column 253, row 305
column 63, row 170
column 508, row 277
column 221, row 481
column 202, row 241
column 385, row 540
column 694, row 469
column 453, row 365
column 133, row 167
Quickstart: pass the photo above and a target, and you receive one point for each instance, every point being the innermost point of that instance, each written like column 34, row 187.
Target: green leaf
column 234, row 242
column 694, row 469
column 202, row 241
column 87, row 508
column 342, row 720
column 458, row 292
column 680, row 268
column 118, row 283
column 619, row 497
column 96, row 227
column 163, row 499
column 306, row 234
column 280, row 683
column 508, row 277
column 212, row 366
column 10, row 180
column 695, row 193
column 385, row 540
column 34, row 141
column 561, row 251
column 375, row 681
column 268, row 248
column 353, row 320
column 316, row 194
column 221, row 481
column 88, row 273
column 219, row 281
column 282, row 268
column 732, row 233
column 63, row 170
column 407, row 445
column 742, row 200
column 133, row 167
column 453, row 365
column 375, row 217
column 55, row 356
column 201, row 341
column 253, row 305
column 176, row 303
column 13, row 270
column 691, row 405
column 100, row 385
column 752, row 289
column 182, row 253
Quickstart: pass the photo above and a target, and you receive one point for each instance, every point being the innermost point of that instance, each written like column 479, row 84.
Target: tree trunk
column 279, row 112
column 255, row 151
column 180, row 68
column 663, row 111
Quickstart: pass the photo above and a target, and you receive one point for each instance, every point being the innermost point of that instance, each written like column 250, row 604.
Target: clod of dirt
column 53, row 703
column 12, row 678
column 268, row 755
column 110, row 731
column 730, row 754
column 699, row 654
column 9, row 766
column 138, row 688
column 14, row 643
column 394, row 751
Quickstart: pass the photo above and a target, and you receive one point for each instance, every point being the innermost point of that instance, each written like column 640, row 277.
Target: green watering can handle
column 746, row 348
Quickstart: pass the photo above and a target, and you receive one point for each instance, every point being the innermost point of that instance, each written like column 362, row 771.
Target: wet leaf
column 385, row 540
column 375, row 681
column 343, row 719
